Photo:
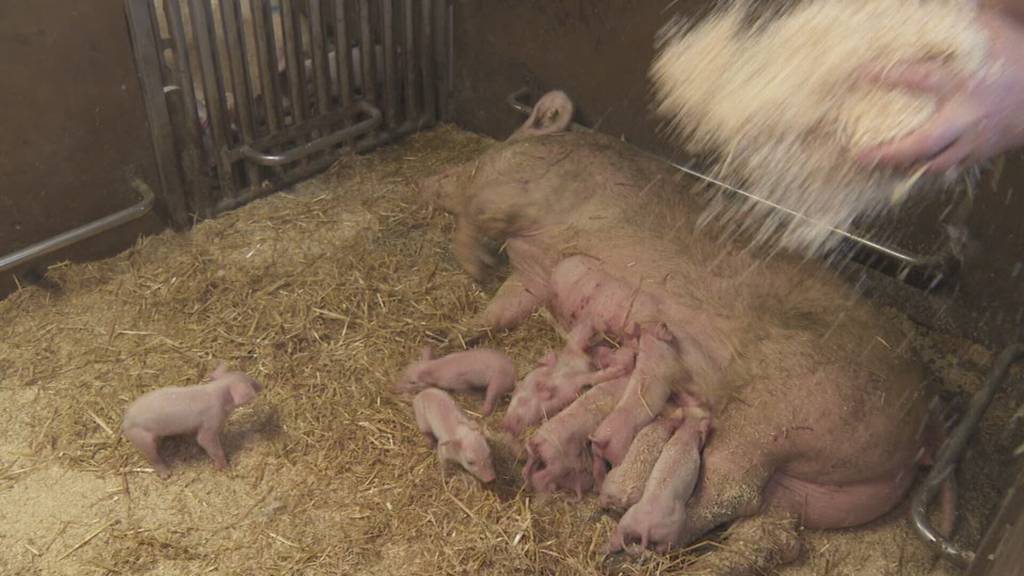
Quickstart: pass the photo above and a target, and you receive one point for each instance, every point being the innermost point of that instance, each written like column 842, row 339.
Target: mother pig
column 818, row 414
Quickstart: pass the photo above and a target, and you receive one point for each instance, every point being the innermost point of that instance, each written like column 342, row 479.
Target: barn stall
column 325, row 291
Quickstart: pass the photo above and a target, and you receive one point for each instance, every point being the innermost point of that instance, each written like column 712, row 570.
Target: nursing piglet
column 658, row 518
column 472, row 369
column 556, row 382
column 558, row 455
column 624, row 485
column 201, row 410
column 456, row 437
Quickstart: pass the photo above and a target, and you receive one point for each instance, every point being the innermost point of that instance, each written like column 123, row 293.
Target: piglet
column 624, row 485
column 201, row 410
column 472, row 369
column 456, row 437
column 557, row 453
column 658, row 370
column 658, row 518
column 559, row 379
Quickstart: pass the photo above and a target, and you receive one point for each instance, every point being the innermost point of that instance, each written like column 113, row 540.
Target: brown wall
column 598, row 51
column 73, row 125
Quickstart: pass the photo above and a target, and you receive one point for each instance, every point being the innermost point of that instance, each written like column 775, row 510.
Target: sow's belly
column 825, row 506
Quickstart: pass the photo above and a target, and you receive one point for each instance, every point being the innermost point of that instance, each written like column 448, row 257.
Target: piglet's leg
column 209, row 439
column 146, row 443
column 755, row 545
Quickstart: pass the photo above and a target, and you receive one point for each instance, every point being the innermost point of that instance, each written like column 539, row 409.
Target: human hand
column 977, row 117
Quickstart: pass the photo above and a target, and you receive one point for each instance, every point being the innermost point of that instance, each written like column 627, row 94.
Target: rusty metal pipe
column 75, row 235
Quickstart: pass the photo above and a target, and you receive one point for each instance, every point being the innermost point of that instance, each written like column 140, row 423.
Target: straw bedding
column 780, row 103
column 323, row 293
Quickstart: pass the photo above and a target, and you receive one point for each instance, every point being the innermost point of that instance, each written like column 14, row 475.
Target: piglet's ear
column 549, row 359
column 545, row 393
column 452, row 446
column 241, row 393
column 219, row 372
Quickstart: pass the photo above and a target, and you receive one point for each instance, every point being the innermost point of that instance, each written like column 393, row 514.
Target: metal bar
column 390, row 82
column 411, row 106
column 440, row 54
column 75, row 235
column 317, row 44
column 427, row 60
column 304, row 150
column 950, row 454
column 370, row 142
column 450, row 112
column 342, row 50
column 194, row 163
column 293, row 50
column 199, row 12
column 231, row 16
column 366, row 50
column 147, row 67
column 1001, row 551
column 266, row 55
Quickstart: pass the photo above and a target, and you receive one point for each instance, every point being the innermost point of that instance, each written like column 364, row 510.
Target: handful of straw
column 780, row 103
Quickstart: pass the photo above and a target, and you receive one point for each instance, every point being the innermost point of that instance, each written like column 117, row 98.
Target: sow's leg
column 753, row 546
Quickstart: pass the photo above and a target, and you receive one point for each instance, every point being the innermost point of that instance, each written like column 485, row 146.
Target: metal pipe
column 514, row 100
column 951, row 452
column 83, row 232
column 427, row 59
column 370, row 142
column 303, row 150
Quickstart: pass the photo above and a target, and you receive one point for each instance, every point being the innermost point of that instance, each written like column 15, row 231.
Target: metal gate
column 247, row 96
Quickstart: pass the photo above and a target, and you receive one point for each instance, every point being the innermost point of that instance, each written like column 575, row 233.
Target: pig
column 557, row 381
column 452, row 433
column 658, row 517
column 557, row 453
column 650, row 386
column 201, row 410
column 817, row 407
column 472, row 369
column 624, row 484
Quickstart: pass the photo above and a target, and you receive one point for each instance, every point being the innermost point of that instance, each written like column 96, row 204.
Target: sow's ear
column 551, row 114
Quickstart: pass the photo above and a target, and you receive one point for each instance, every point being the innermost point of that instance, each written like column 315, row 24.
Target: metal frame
column 952, row 450
column 244, row 97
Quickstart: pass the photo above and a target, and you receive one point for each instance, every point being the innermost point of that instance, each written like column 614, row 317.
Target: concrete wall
column 599, row 50
column 73, row 125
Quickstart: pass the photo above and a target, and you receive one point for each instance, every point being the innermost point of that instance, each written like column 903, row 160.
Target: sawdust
column 781, row 103
column 323, row 293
